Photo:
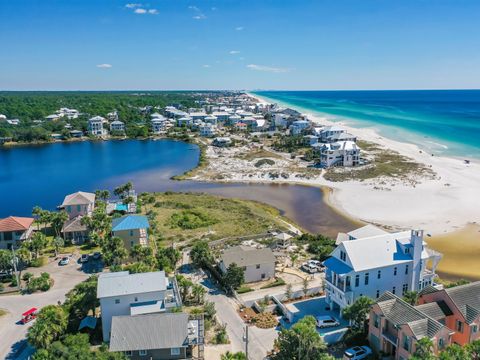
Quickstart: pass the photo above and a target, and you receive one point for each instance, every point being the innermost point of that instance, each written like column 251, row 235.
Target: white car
column 326, row 321
column 357, row 353
column 310, row 268
column 65, row 260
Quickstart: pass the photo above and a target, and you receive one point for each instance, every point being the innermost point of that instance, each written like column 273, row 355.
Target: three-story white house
column 122, row 293
column 370, row 261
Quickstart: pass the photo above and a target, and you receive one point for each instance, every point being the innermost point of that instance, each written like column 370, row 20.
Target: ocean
column 443, row 122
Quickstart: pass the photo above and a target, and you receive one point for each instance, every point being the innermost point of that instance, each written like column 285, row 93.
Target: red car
column 29, row 315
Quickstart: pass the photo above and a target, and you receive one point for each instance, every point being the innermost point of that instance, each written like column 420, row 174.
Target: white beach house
column 370, row 261
column 207, row 130
column 117, row 125
column 95, row 126
column 344, row 153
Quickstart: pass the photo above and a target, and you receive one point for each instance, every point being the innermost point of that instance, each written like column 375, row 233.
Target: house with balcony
column 123, row 294
column 158, row 336
column 344, row 153
column 95, row 126
column 463, row 309
column 395, row 327
column 371, row 265
column 132, row 229
column 14, row 230
column 117, row 126
column 329, row 132
column 78, row 204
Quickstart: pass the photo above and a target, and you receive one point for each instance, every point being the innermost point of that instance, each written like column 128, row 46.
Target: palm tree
column 185, row 285
column 58, row 243
column 50, row 324
column 411, row 297
column 424, row 348
column 233, row 356
column 198, row 292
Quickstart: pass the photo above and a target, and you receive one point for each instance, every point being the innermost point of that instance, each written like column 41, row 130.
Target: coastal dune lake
column 43, row 174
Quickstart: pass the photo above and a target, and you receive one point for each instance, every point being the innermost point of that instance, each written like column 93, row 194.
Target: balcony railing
column 390, row 337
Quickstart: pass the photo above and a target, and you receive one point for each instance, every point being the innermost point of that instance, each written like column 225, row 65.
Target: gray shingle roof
column 246, row 256
column 123, row 283
column 79, row 198
column 467, row 299
column 399, row 312
column 148, row 332
column 436, row 310
column 74, row 224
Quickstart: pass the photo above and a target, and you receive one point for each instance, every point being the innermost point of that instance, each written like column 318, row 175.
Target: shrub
column 262, row 162
column 1, row 287
column 27, row 276
column 244, row 289
column 191, row 219
column 277, row 282
column 265, row 320
column 39, row 262
column 42, row 283
column 14, row 282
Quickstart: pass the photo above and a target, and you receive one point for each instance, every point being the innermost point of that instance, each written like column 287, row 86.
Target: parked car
column 326, row 321
column 357, row 353
column 97, row 255
column 310, row 268
column 65, row 260
column 84, row 258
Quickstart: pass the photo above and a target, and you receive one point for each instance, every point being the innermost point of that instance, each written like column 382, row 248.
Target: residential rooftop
column 124, row 283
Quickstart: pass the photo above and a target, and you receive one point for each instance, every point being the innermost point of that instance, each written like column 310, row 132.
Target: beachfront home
column 345, row 153
column 185, row 121
column 156, row 336
column 95, row 126
column 117, row 125
column 257, row 264
column 461, row 305
column 395, row 327
column 310, row 140
column 299, row 126
column 14, row 230
column 78, row 204
column 370, row 265
column 328, row 132
column 207, row 130
column 74, row 231
column 122, row 293
column 132, row 229
column 159, row 125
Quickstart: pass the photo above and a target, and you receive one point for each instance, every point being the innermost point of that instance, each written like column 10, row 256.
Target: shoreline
column 439, row 206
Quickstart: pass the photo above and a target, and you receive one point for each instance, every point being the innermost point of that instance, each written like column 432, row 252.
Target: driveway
column 13, row 344
column 260, row 340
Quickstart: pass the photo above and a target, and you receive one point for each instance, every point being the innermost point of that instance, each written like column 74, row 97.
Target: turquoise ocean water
column 443, row 122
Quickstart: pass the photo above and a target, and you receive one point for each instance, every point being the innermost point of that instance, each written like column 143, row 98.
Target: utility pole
column 14, row 261
column 245, row 338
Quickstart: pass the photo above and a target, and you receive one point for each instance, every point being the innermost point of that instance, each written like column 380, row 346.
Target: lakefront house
column 14, row 230
column 370, row 261
column 132, row 229
column 95, row 126
column 78, row 204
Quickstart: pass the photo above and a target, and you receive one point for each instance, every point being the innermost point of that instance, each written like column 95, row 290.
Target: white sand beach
column 440, row 205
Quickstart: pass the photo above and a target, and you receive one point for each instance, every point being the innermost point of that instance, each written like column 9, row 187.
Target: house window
column 395, row 271
column 393, row 290
column 474, row 328
column 142, row 352
column 441, row 343
column 406, row 343
column 117, row 301
column 459, row 326
column 131, row 232
column 258, row 266
column 376, row 321
column 378, row 294
column 175, row 351
column 366, row 279
column 357, row 280
column 128, row 353
column 136, row 299
column 79, row 208
column 343, row 256
column 7, row 236
column 406, row 269
column 379, row 274
column 69, row 209
column 404, row 289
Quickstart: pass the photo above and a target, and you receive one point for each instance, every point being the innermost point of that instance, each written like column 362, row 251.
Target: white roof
column 377, row 251
column 366, row 231
column 124, row 283
column 333, row 128
column 117, row 122
column 96, row 118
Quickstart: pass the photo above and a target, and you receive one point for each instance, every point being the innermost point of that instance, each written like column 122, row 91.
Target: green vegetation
column 233, row 356
column 262, row 162
column 50, row 324
column 277, row 282
column 290, row 144
column 30, row 106
column 318, row 245
column 383, row 163
column 357, row 315
column 234, row 277
column 301, row 342
column 424, row 350
column 207, row 216
column 244, row 289
column 253, row 154
column 40, row 283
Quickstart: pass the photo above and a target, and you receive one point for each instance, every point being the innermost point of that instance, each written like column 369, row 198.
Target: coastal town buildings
column 132, row 229
column 14, row 230
column 345, row 153
column 95, row 126
column 207, row 130
column 117, row 126
column 78, row 204
column 367, row 263
column 257, row 264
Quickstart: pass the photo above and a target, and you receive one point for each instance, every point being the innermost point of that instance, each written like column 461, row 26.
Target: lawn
column 189, row 216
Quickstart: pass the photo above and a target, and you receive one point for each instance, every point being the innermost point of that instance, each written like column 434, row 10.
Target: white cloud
column 206, row 66
column 239, row 28
column 153, row 11
column 199, row 15
column 140, row 11
column 233, row 52
column 132, row 5
column 104, row 66
column 267, row 68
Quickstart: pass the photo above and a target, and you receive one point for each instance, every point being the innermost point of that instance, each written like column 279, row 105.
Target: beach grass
column 257, row 154
column 383, row 163
column 184, row 217
column 461, row 253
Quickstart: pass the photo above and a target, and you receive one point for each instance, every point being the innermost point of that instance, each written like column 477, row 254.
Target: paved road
column 12, row 334
column 260, row 340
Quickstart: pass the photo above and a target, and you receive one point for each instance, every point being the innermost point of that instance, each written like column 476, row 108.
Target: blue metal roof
column 130, row 222
column 337, row 266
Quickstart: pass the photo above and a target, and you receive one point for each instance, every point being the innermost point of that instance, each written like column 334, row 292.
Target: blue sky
column 267, row 44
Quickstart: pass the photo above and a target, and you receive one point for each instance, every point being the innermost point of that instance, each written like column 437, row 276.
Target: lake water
column 43, row 174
